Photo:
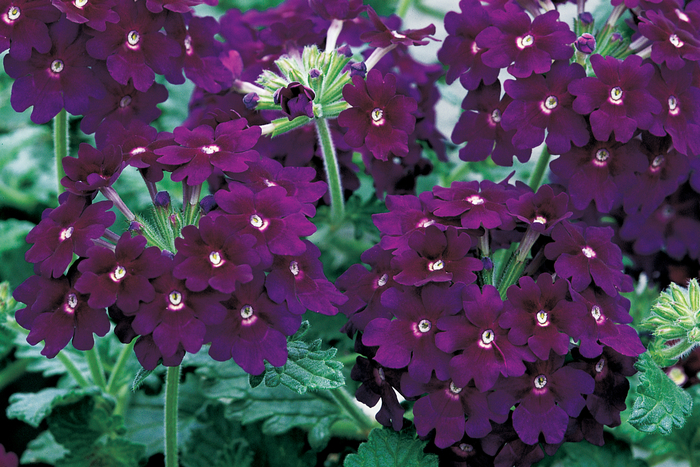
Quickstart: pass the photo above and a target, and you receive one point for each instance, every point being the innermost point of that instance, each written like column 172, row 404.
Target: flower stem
column 330, row 163
column 60, row 144
column 112, row 384
column 73, row 370
column 346, row 402
column 402, row 7
column 13, row 371
column 171, row 386
column 541, row 167
column 95, row 365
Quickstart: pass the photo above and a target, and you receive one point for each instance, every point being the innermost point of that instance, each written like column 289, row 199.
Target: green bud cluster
column 675, row 323
column 7, row 303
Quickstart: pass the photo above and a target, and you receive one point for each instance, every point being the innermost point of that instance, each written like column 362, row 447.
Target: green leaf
column 79, row 418
column 387, row 448
column 106, row 452
column 661, row 405
column 140, row 377
column 43, row 448
column 583, row 454
column 32, row 408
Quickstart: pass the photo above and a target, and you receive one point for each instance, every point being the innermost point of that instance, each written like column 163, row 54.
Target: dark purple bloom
column 337, row 9
column 409, row 340
column 150, row 356
column 57, row 313
column 378, row 118
column 92, row 13
column 478, row 204
column 617, row 98
column 525, row 47
column 460, row 52
column 539, row 315
column 68, row 229
column 378, row 383
column 55, row 80
column 177, row 6
column 299, row 280
column 212, row 255
column 542, row 210
column 121, row 276
column 203, row 149
column 296, row 100
column 92, row 169
column 541, row 103
column 487, row 352
column 436, row 256
column 480, row 127
column 8, row 459
column 673, row 40
column 585, row 43
column 549, row 394
column 584, row 254
column 382, row 36
column 134, row 48
column 23, row 27
column 254, row 329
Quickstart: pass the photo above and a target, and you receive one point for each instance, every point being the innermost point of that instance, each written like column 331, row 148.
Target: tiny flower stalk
column 675, row 323
column 172, row 384
column 330, row 163
column 60, row 143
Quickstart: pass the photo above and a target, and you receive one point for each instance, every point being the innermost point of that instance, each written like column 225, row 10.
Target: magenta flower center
column 600, row 365
column 139, row 150
column 616, row 95
column 542, row 318
column 118, row 273
column 487, row 337
column 540, row 220
column 13, row 13
column 215, row 259
column 496, row 116
column 246, row 312
column 525, row 41
column 677, row 43
column 80, row 3
column 381, row 282
column 71, row 303
column 454, row 389
column 125, row 101
column 601, row 157
column 175, row 299
column 377, row 116
column 656, row 163
column 549, row 104
column 475, row 48
column 258, row 222
column 436, row 265
column 425, row 223
column 57, row 66
column 133, row 38
column 540, row 381
column 424, row 325
column 476, row 200
column 294, row 268
column 595, row 312
column 673, row 108
column 188, row 45
column 66, row 233
column 588, row 252
column 211, row 149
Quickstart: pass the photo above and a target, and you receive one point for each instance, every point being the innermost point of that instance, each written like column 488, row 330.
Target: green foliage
column 78, row 418
column 43, row 448
column 661, row 405
column 583, row 454
column 32, row 408
column 387, row 448
column 105, row 453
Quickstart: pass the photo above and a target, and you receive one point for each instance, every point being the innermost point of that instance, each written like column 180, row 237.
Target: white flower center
column 496, row 116
column 211, row 149
column 588, row 252
column 542, row 317
column 616, row 95
column 601, row 157
column 380, row 372
column 118, row 273
column 540, row 220
column 673, row 105
column 294, row 268
column 137, row 151
column 377, row 116
column 175, row 298
column 398, row 35
column 80, row 3
column 600, row 365
column 215, row 258
column 540, row 381
column 57, row 66
column 466, row 447
column 595, row 312
column 13, row 13
column 551, row 102
column 424, row 325
column 658, row 160
column 125, row 101
column 454, row 389
column 133, row 38
column 381, row 282
column 66, row 233
column 425, row 223
column 72, row 301
column 436, row 265
column 488, row 336
column 475, row 48
column 256, row 221
column 246, row 311
column 476, row 200
column 188, row 45
column 677, row 43
column 525, row 41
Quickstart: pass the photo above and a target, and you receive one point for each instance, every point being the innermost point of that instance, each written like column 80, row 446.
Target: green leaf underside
column 32, row 408
column 387, row 448
column 661, row 405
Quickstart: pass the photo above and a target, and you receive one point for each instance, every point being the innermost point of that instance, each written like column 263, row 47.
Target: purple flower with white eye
column 70, row 228
column 23, row 26
column 487, row 352
column 134, row 48
column 477, row 203
column 60, row 78
column 542, row 210
column 121, row 277
column 92, row 169
column 541, row 103
column 203, row 149
column 617, row 97
column 254, row 329
column 378, row 118
column 337, row 9
column 382, row 36
column 299, row 280
column 214, row 256
column 525, row 47
column 585, row 254
column 57, row 313
column 92, row 13
column 409, row 340
column 673, row 40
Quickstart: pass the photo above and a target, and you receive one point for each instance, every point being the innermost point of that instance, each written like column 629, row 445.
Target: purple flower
column 585, row 254
column 542, row 210
column 673, row 39
column 55, row 80
column 409, row 340
column 378, row 118
column 94, row 14
column 525, row 47
column 541, row 103
column 203, row 149
column 382, row 36
column 8, row 459
column 121, row 276
column 212, row 255
column 585, row 43
column 480, row 127
column 617, row 98
column 254, row 329
column 337, row 9
column 92, row 169
column 68, row 229
column 23, row 27
column 487, row 352
column 57, row 313
column 478, row 204
column 378, row 383
column 296, row 100
column 177, row 6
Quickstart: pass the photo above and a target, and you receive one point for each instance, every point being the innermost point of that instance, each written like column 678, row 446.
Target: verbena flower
column 382, row 36
column 95, row 14
column 92, row 169
column 23, row 27
column 673, row 40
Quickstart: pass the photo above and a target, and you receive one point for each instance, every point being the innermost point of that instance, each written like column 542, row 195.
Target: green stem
column 510, row 277
column 73, row 370
column 171, row 386
column 435, row 13
column 95, row 365
column 17, row 199
column 347, row 429
column 402, row 7
column 112, row 384
column 60, row 144
column 541, row 167
column 330, row 162
column 13, row 371
column 345, row 401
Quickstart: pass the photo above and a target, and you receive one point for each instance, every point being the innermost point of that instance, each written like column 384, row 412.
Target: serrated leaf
column 256, row 380
column 43, row 448
column 584, row 454
column 106, row 452
column 140, row 377
column 79, row 418
column 32, row 408
column 661, row 405
column 387, row 448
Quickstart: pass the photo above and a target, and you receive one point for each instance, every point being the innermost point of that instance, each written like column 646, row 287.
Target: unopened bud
column 616, row 36
column 250, row 100
column 162, row 200
column 208, row 204
column 586, row 17
column 345, row 50
column 585, row 43
column 314, row 73
column 670, row 332
column 358, row 69
column 487, row 262
column 135, row 226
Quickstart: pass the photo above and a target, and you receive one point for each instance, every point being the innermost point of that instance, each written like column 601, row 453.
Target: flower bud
column 616, row 36
column 345, row 50
column 585, row 43
column 162, row 200
column 250, row 100
column 586, row 17
column 296, row 100
column 358, row 69
column 207, row 204
column 314, row 73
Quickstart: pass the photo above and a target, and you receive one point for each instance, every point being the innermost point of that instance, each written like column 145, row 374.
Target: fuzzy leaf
column 43, row 448
column 140, row 377
column 79, row 418
column 33, row 407
column 583, row 454
column 661, row 405
column 107, row 452
column 387, row 448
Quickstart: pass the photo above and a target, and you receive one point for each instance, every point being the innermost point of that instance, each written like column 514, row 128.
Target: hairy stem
column 346, row 402
column 73, row 370
column 95, row 365
column 112, row 384
column 541, row 167
column 13, row 371
column 330, row 163
column 60, row 144
column 402, row 7
column 171, row 386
